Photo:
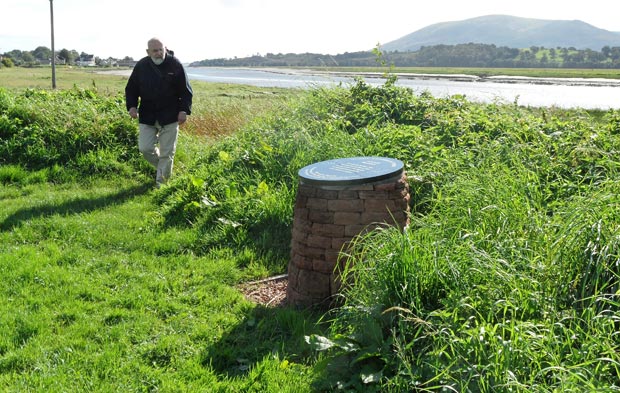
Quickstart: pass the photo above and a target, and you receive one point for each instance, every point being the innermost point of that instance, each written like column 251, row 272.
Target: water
column 523, row 92
column 262, row 78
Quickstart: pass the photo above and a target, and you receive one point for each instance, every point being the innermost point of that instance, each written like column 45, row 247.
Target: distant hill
column 510, row 31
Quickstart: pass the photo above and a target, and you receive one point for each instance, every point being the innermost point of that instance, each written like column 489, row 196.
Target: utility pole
column 53, row 51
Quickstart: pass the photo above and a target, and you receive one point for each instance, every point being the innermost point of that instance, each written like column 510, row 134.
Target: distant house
column 86, row 61
column 109, row 62
column 58, row 60
column 126, row 63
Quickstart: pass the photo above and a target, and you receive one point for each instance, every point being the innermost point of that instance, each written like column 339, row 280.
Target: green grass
column 506, row 280
column 96, row 296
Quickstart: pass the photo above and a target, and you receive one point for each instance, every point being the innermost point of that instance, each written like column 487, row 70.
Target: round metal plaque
column 351, row 171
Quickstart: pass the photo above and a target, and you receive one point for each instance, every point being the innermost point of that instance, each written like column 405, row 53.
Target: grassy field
column 66, row 78
column 506, row 280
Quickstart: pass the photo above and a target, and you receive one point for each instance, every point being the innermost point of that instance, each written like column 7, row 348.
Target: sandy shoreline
column 449, row 77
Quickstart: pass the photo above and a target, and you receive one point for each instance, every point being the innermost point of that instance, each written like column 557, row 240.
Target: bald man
column 159, row 95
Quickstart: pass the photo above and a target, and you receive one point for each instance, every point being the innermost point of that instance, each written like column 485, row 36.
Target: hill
column 509, row 31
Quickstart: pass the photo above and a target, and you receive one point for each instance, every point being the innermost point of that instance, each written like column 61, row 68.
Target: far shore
column 407, row 75
column 459, row 77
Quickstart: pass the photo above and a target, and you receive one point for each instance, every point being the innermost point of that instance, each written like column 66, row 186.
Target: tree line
column 460, row 55
column 43, row 55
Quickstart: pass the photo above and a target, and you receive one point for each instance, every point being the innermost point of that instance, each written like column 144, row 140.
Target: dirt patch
column 269, row 292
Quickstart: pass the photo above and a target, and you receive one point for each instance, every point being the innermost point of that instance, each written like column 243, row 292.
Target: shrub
column 7, row 62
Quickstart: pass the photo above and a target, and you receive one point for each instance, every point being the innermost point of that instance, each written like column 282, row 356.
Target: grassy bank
column 506, row 280
column 484, row 72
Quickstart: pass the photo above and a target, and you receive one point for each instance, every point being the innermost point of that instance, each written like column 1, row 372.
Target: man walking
column 159, row 95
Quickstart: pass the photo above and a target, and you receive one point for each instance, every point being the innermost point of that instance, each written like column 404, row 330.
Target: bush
column 7, row 62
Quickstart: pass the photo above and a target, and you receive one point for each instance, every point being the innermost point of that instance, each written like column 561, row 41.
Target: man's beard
column 157, row 60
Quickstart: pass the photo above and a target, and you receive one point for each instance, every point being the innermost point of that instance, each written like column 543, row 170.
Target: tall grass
column 224, row 109
column 508, row 279
column 76, row 129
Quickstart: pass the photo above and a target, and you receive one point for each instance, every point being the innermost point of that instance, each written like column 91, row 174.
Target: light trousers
column 158, row 144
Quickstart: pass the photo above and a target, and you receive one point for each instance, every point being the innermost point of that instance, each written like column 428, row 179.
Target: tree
column 67, row 55
column 42, row 53
column 526, row 55
column 15, row 54
column 27, row 58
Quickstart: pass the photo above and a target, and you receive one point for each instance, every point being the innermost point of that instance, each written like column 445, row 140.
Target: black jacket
column 162, row 90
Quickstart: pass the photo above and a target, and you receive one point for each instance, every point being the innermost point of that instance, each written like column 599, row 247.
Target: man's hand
column 133, row 112
column 182, row 117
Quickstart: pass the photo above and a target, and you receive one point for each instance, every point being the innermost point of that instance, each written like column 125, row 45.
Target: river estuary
column 548, row 92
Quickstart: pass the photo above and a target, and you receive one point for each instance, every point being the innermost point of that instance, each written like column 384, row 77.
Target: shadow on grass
column 263, row 332
column 74, row 206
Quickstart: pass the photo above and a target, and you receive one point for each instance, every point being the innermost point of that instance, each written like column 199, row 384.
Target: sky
column 210, row 29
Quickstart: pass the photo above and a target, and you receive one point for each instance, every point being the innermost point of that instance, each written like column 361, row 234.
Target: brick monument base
column 329, row 212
